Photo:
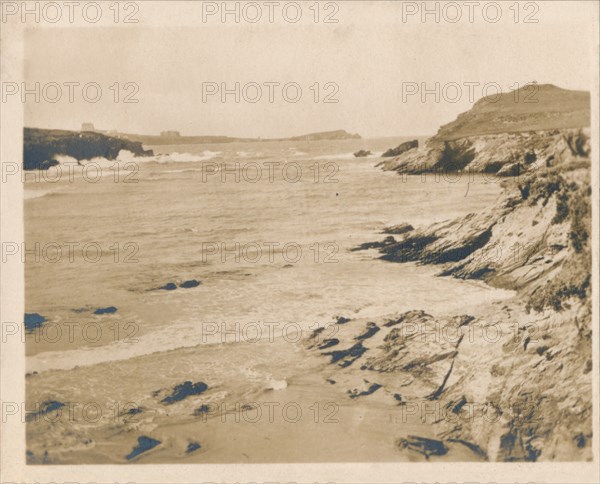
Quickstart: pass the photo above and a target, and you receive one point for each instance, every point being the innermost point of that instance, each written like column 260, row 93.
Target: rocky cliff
column 40, row 146
column 506, row 135
column 513, row 384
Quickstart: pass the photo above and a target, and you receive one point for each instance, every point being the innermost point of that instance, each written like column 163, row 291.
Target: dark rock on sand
column 342, row 320
column 133, row 411
column 144, row 444
column 171, row 286
column 192, row 447
column 362, row 153
column 516, row 447
column 371, row 329
column 346, row 357
column 372, row 389
column 401, row 148
column 44, row 409
column 183, row 391
column 328, row 343
column 424, row 446
column 314, row 338
column 189, row 284
column 33, row 321
column 201, row 410
column 33, row 459
column 80, row 310
column 388, row 241
column 408, row 316
column 107, row 310
column 472, row 447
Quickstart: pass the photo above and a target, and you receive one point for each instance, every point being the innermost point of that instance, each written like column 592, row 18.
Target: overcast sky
column 368, row 55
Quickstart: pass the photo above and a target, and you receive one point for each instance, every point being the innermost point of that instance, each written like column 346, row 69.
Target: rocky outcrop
column 182, row 391
column 399, row 229
column 144, row 444
column 507, row 134
column 536, row 237
column 508, row 154
column 33, row 321
column 513, row 383
column 362, row 153
column 508, row 386
column 401, row 148
column 41, row 146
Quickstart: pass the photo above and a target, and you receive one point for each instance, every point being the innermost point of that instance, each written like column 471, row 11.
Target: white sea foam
column 31, row 194
column 125, row 156
column 346, row 156
column 175, row 157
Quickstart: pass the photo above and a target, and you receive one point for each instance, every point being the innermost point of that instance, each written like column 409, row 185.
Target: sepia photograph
column 304, row 241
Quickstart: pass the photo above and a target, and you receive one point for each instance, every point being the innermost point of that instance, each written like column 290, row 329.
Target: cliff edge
column 40, row 146
column 506, row 135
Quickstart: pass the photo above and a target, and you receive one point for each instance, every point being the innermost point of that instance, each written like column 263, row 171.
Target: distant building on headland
column 89, row 128
column 170, row 134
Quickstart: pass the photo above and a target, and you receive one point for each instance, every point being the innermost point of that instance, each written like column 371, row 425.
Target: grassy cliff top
column 534, row 107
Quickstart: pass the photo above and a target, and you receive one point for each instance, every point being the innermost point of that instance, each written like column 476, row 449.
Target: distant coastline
column 173, row 138
column 41, row 146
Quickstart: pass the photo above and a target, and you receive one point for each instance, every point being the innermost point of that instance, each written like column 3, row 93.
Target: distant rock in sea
column 362, row 153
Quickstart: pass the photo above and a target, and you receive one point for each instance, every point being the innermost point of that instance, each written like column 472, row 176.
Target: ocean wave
column 346, row 156
column 125, row 156
column 295, row 152
column 31, row 194
column 249, row 154
column 175, row 157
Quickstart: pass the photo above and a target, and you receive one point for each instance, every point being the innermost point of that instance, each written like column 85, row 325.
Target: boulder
column 170, row 286
column 189, row 284
column 184, row 390
column 33, row 321
column 107, row 310
column 144, row 445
